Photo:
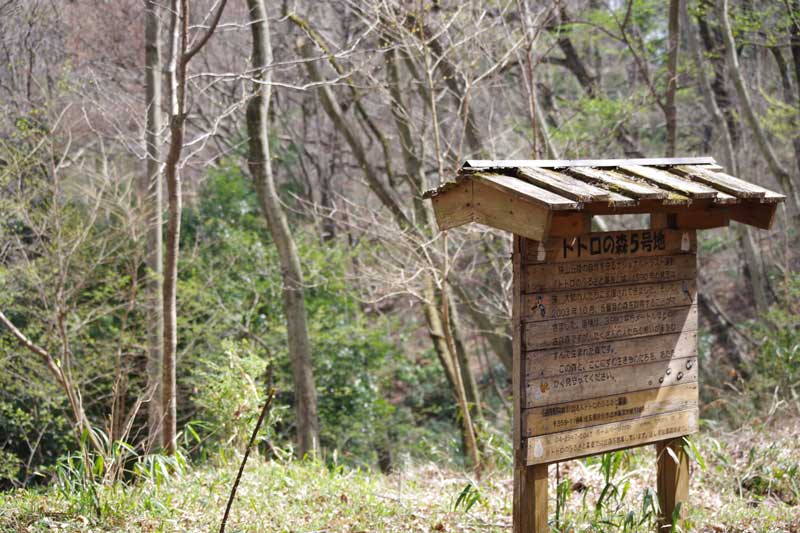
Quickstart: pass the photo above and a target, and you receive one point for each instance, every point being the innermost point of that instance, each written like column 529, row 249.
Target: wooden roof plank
column 618, row 183
column 670, row 181
column 771, row 197
column 721, row 181
column 619, row 200
column 563, row 163
column 563, row 184
column 725, row 198
column 527, row 191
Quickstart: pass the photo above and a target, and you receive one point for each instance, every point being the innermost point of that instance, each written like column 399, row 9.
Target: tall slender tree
column 179, row 57
column 152, row 204
column 260, row 166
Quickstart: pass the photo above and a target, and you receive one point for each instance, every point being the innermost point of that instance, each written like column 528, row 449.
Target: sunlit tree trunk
column 305, row 396
column 179, row 56
column 152, row 198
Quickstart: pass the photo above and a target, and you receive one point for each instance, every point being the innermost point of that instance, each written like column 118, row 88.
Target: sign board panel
column 607, row 437
column 609, row 340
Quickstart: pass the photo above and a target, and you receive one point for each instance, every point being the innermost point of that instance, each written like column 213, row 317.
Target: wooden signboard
column 606, row 335
column 604, row 325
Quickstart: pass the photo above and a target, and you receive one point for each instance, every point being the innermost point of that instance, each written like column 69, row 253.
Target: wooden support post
column 673, row 482
column 530, row 482
column 530, row 499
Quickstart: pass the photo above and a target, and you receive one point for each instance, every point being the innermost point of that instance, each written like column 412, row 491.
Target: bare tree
column 151, row 198
column 180, row 55
column 260, row 166
column 671, row 111
column 764, row 145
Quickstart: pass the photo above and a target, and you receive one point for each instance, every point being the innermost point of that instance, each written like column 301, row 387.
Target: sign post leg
column 673, row 482
column 530, row 499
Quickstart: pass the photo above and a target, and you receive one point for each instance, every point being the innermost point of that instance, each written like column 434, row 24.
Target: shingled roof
column 541, row 197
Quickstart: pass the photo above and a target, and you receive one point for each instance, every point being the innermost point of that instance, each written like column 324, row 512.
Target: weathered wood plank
column 666, row 180
column 454, row 207
column 526, row 191
column 605, row 382
column 530, row 483
column 672, row 482
column 619, row 200
column 602, row 328
column 507, row 212
column 570, row 224
column 540, row 307
column 619, row 182
column 587, row 274
column 755, row 214
column 725, row 198
column 608, row 437
column 563, row 184
column 560, row 163
column 615, row 244
column 721, row 181
column 611, row 354
column 607, row 409
column 772, row 197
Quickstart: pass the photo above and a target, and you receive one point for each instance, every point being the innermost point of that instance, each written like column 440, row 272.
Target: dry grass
column 749, row 485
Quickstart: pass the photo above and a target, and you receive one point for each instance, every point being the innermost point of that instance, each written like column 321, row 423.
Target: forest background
column 205, row 201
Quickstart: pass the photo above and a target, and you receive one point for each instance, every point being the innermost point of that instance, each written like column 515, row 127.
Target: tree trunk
column 672, row 73
column 786, row 81
column 467, row 377
column 152, row 200
column 795, row 48
column 261, row 171
column 748, row 110
column 179, row 56
column 177, row 83
column 752, row 257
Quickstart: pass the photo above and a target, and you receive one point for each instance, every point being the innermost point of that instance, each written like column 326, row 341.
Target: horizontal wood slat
column 619, row 380
column 541, row 307
column 586, row 274
column 610, row 245
column 607, row 409
column 608, row 437
column 608, row 327
column 566, row 360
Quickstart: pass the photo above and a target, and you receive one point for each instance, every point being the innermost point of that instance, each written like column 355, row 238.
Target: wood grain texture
column 619, row 182
column 563, row 184
column 587, row 274
column 608, row 437
column 607, row 409
column 667, row 180
column 540, row 307
column 608, row 355
column 605, row 382
column 608, row 327
column 615, row 244
column 454, row 208
column 526, row 191
column 672, row 482
column 510, row 213
column 721, row 181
